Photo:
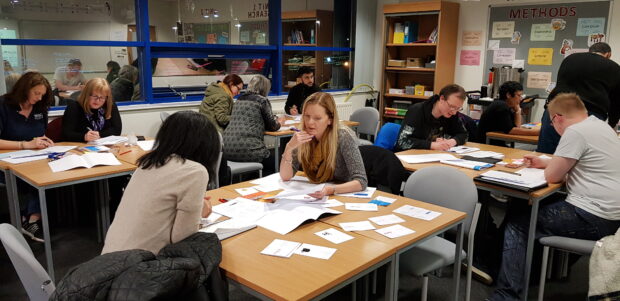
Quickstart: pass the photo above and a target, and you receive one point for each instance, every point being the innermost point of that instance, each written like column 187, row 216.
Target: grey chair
column 214, row 183
column 368, row 117
column 34, row 278
column 238, row 168
column 163, row 116
column 430, row 185
column 572, row 245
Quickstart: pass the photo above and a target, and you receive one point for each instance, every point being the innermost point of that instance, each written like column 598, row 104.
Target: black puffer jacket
column 187, row 270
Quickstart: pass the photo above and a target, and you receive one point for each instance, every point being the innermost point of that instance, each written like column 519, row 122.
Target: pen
column 129, row 151
column 361, row 193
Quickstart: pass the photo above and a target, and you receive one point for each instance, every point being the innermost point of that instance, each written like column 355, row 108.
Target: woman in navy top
column 23, row 121
column 94, row 115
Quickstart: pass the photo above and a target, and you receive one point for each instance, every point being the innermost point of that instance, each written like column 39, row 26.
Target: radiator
column 345, row 109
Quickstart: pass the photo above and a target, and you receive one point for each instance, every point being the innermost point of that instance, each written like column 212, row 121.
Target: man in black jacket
column 434, row 124
column 298, row 94
column 596, row 79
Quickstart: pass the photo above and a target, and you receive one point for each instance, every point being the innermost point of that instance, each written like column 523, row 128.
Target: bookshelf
column 313, row 28
column 422, row 20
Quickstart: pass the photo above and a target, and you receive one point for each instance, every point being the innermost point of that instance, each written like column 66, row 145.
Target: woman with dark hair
column 218, row 102
column 434, row 124
column 165, row 198
column 23, row 121
column 94, row 115
column 113, row 69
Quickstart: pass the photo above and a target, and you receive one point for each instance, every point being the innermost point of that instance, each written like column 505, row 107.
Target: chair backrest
column 34, row 278
column 75, row 95
column 54, row 129
column 368, row 118
column 444, row 186
column 215, row 178
column 388, row 135
column 163, row 116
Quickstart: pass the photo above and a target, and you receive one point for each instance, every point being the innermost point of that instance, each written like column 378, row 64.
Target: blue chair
column 387, row 136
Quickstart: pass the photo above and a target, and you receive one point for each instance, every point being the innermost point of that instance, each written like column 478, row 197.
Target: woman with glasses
column 434, row 124
column 218, row 102
column 94, row 115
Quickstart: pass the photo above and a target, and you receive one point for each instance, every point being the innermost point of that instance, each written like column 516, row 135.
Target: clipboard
column 511, row 186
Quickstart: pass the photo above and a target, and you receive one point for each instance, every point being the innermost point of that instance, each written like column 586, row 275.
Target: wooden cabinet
column 306, row 28
column 416, row 34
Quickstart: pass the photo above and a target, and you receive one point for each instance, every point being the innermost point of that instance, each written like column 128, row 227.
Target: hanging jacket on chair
column 187, row 270
column 383, row 168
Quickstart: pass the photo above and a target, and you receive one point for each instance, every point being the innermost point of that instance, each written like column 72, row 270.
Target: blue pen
column 295, row 129
column 361, row 193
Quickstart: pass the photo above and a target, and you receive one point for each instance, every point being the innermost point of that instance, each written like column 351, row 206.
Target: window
column 188, row 43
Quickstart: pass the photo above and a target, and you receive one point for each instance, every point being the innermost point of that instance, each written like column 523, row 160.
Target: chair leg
column 543, row 273
column 424, row 288
column 260, row 173
column 470, row 263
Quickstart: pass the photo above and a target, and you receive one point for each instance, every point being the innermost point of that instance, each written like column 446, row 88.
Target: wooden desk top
column 128, row 153
column 517, row 138
column 285, row 133
column 509, row 154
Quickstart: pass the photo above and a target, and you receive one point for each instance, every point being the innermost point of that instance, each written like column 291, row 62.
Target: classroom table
column 391, row 247
column 534, row 197
column 278, row 135
column 512, row 138
column 39, row 175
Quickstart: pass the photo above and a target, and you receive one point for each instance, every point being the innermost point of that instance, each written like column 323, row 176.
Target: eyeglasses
column 554, row 116
column 95, row 97
column 454, row 108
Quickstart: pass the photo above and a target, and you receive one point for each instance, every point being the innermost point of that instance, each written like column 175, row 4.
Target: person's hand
column 441, row 144
column 293, row 110
column 39, row 142
column 206, row 209
column 451, row 142
column 91, row 136
column 327, row 190
column 298, row 139
column 534, row 161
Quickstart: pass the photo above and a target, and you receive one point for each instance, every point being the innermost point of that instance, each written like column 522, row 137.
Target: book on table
column 526, row 179
column 87, row 161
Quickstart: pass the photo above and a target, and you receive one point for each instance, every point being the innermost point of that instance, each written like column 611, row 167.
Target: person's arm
column 411, row 132
column 557, row 168
column 190, row 202
column 114, row 125
column 72, row 129
column 289, row 163
column 221, row 110
column 36, row 143
column 518, row 117
column 271, row 122
column 525, row 132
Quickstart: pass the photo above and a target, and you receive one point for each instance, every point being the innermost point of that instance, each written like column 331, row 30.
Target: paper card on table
column 470, row 58
column 246, row 190
column 315, row 251
column 542, row 32
column 332, row 203
column 588, row 26
column 385, row 199
column 504, row 56
column 357, row 226
column 281, row 248
column 417, row 212
column 379, row 203
column 538, row 80
column 361, row 206
column 493, row 45
column 503, row 29
column 366, row 194
column 146, row 145
column 540, row 56
column 386, row 219
column 334, row 235
column 518, row 64
column 471, row 38
column 427, row 158
column 394, row 231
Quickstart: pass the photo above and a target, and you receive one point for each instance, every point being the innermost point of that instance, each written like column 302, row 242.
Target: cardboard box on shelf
column 396, row 63
column 419, row 90
column 396, row 91
column 415, row 62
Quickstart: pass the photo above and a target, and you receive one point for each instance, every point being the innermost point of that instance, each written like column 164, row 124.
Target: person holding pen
column 323, row 150
column 94, row 115
column 434, row 124
column 23, row 121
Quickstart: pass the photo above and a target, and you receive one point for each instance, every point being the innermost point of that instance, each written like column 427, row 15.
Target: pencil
column 129, row 151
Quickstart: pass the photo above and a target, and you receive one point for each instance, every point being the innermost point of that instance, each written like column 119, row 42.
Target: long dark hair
column 188, row 134
column 19, row 93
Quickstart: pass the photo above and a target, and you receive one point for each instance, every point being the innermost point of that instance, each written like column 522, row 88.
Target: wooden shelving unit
column 427, row 17
column 318, row 21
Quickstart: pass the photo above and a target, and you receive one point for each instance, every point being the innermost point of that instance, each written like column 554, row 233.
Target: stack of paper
column 461, row 149
column 110, row 140
column 486, row 154
column 415, row 159
column 526, row 177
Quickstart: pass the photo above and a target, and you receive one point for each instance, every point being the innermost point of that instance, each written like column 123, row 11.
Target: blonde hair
column 327, row 147
column 567, row 104
column 97, row 85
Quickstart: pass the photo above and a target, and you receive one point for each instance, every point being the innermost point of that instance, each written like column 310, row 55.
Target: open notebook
column 88, row 160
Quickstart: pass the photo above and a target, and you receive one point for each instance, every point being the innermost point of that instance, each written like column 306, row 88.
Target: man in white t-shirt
column 587, row 159
column 69, row 77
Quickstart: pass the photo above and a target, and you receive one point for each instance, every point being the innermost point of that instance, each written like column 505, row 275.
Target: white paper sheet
column 417, row 212
column 461, row 149
column 361, row 206
column 395, row 231
column 146, row 145
column 332, row 203
column 526, row 177
column 284, row 217
column 88, row 160
column 246, row 190
column 357, row 226
column 315, row 251
column 366, row 194
column 385, row 199
column 334, row 235
column 386, row 219
column 281, row 248
column 110, row 140
column 241, row 208
column 427, row 158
